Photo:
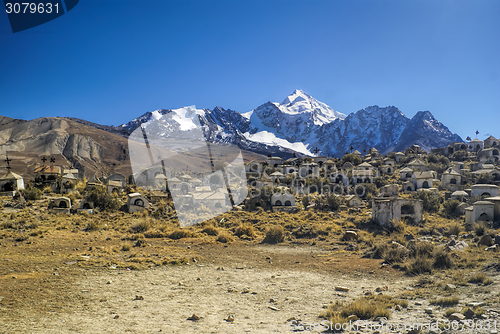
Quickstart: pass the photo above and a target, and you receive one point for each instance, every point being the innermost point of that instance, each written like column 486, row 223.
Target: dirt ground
column 261, row 286
column 46, row 286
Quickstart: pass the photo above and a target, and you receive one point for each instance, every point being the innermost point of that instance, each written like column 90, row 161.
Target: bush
column 486, row 178
column 224, row 237
column 450, row 208
column 306, row 200
column 180, row 233
column 460, row 156
column 93, row 225
column 333, row 202
column 352, row 158
column 419, row 265
column 396, row 255
column 455, row 229
column 480, row 228
column 275, row 234
column 442, row 260
column 102, row 199
column 380, row 182
column 32, row 194
column 480, row 278
column 210, row 230
column 140, row 227
column 445, row 302
column 245, row 229
column 430, row 202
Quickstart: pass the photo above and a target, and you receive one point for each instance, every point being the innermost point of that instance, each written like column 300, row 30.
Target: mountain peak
column 297, row 96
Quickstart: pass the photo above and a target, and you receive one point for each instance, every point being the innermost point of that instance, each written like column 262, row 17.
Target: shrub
column 93, row 225
column 450, row 208
column 224, row 237
column 380, row 182
column 364, row 308
column 455, row 229
column 180, row 233
column 333, row 202
column 352, row 158
column 419, row 265
column 398, row 225
column 442, row 260
column 210, row 230
column 275, row 234
column 430, row 202
column 32, row 194
column 396, row 255
column 140, row 227
column 102, row 199
column 245, row 229
column 126, row 247
column 480, row 278
column 480, row 228
column 306, row 200
column 445, row 302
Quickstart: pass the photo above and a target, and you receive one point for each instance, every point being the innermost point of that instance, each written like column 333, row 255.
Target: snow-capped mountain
column 299, row 124
column 296, row 118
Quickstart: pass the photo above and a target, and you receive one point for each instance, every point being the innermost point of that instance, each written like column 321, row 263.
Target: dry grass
column 445, row 302
column 140, row 226
column 180, row 233
column 210, row 230
column 275, row 234
column 225, row 237
column 480, row 278
column 364, row 308
column 245, row 229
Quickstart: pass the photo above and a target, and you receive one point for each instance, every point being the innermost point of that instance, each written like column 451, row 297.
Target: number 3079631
column 27, row 7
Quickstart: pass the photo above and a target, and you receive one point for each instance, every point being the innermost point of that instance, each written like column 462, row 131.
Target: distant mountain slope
column 300, row 124
column 87, row 148
column 426, row 131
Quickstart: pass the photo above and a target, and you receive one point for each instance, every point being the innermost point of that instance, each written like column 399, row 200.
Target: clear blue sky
column 110, row 61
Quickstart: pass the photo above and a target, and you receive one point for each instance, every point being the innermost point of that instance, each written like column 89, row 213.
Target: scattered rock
column 116, row 316
column 382, row 288
column 341, row 288
column 194, row 317
column 397, row 245
column 476, row 304
column 274, row 308
column 469, row 314
column 459, row 245
column 497, row 240
column 137, row 297
column 398, row 307
column 456, row 317
column 232, row 290
column 409, row 237
column 493, row 248
column 108, row 282
column 351, row 248
column 350, row 235
column 352, row 317
column 450, row 287
column 428, row 310
column 486, row 240
column 230, row 318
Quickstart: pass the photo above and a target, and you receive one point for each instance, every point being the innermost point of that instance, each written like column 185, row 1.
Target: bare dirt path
column 261, row 286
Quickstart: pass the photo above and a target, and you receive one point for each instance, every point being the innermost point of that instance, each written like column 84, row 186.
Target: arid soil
column 46, row 286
